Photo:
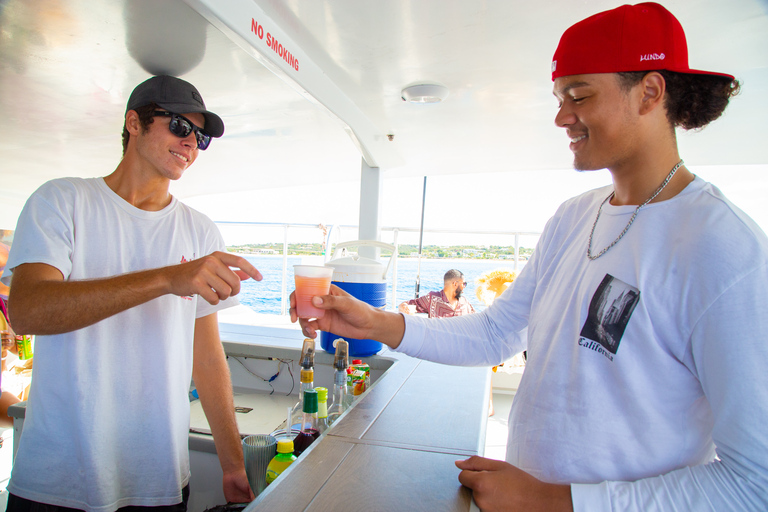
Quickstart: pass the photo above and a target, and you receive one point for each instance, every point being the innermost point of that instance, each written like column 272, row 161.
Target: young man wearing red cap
column 646, row 385
column 121, row 282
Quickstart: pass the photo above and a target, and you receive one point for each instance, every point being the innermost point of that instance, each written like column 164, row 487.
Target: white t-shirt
column 107, row 419
column 641, row 362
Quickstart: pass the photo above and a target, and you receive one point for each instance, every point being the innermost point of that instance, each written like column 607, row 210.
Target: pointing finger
column 243, row 264
column 242, row 275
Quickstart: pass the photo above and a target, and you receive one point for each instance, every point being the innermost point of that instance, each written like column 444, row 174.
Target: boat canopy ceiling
column 310, row 88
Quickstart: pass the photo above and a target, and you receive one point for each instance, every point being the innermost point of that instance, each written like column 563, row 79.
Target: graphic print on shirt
column 608, row 315
column 185, row 260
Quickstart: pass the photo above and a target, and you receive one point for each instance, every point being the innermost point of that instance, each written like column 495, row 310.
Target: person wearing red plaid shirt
column 444, row 303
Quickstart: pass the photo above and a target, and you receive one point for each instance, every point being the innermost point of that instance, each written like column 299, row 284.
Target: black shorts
column 16, row 504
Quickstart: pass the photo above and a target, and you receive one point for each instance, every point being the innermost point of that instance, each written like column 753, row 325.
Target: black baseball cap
column 177, row 96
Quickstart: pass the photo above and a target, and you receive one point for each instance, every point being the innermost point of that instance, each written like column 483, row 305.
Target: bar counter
column 396, row 448
column 393, row 450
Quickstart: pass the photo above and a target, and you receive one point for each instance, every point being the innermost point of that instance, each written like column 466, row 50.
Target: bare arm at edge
column 212, row 380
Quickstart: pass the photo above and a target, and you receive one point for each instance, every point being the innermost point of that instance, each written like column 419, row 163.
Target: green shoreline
column 431, row 252
column 451, row 258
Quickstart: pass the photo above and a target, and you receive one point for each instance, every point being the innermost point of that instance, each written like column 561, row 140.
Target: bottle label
column 356, row 382
column 24, row 346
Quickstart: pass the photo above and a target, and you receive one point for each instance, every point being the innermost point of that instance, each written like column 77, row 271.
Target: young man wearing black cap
column 646, row 385
column 121, row 282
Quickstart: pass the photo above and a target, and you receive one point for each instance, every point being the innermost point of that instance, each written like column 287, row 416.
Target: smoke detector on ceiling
column 425, row 93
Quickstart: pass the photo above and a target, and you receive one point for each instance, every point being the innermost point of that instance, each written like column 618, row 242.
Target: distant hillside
column 404, row 251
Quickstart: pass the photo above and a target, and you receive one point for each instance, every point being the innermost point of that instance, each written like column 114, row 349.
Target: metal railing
column 335, row 230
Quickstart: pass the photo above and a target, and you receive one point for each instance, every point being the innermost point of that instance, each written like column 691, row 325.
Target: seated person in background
column 4, row 249
column 447, row 302
column 7, row 334
column 8, row 338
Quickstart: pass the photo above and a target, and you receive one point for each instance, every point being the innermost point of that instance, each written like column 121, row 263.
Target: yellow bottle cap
column 285, row 445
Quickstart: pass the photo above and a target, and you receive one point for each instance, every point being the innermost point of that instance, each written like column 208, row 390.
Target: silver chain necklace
column 631, row 220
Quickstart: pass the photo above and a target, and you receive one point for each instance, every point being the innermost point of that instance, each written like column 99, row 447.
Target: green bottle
column 282, row 460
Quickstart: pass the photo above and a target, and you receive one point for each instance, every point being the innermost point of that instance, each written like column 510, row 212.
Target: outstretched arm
column 42, row 302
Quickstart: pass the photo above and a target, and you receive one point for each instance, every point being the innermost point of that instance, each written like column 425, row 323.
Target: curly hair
column 692, row 101
column 146, row 118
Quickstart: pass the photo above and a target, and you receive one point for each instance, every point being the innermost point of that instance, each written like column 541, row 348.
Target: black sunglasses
column 180, row 126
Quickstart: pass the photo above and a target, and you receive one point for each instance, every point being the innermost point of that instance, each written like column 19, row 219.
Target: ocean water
column 264, row 296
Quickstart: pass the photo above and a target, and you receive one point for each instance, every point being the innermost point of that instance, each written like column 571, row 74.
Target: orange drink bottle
column 310, row 281
column 24, row 346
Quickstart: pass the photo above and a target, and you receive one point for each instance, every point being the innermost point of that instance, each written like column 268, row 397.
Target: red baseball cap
column 642, row 37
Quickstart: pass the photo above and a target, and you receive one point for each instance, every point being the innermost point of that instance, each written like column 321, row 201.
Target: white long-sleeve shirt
column 646, row 385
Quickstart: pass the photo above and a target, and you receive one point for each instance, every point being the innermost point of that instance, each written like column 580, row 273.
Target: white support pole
column 370, row 208
column 284, row 284
column 517, row 250
column 394, row 270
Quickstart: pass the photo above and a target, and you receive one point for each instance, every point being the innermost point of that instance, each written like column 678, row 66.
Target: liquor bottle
column 349, row 397
column 322, row 409
column 340, row 365
column 307, row 380
column 309, row 430
column 282, row 460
